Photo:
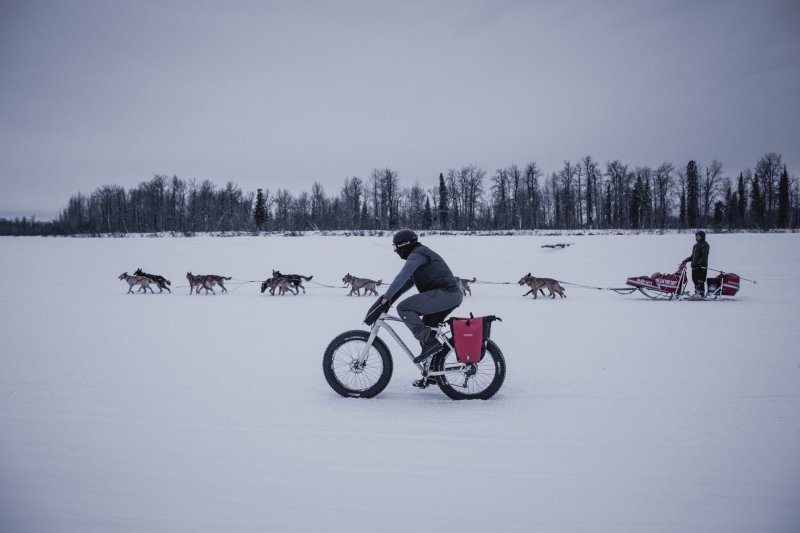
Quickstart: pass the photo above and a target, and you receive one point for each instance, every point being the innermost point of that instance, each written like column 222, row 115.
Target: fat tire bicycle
column 358, row 364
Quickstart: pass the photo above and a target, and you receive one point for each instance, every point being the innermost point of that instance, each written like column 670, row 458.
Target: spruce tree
column 636, row 203
column 443, row 210
column 260, row 213
column 730, row 206
column 589, row 200
column 732, row 211
column 682, row 211
column 756, row 203
column 719, row 213
column 742, row 206
column 427, row 214
column 364, row 215
column 692, row 194
column 783, row 199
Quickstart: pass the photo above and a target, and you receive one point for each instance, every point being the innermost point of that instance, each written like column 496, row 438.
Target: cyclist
column 438, row 289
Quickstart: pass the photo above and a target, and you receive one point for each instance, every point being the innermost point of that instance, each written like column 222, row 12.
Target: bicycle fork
column 424, row 366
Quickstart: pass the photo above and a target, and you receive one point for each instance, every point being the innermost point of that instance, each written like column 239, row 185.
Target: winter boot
column 430, row 347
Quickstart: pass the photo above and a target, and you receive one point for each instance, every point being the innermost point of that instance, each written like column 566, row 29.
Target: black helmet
column 404, row 241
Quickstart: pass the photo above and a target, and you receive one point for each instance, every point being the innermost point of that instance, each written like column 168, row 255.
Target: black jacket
column 435, row 274
column 699, row 257
column 425, row 269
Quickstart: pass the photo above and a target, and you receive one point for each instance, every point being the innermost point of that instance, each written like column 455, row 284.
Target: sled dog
column 282, row 284
column 356, row 284
column 160, row 281
column 206, row 282
column 464, row 284
column 554, row 287
column 142, row 281
column 538, row 284
column 296, row 280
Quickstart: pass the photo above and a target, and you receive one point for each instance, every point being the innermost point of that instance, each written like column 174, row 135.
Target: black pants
column 699, row 279
column 411, row 310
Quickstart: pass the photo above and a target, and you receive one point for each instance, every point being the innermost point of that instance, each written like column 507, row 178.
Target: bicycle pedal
column 424, row 382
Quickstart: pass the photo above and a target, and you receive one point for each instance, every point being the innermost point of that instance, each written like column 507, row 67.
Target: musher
column 438, row 289
column 699, row 260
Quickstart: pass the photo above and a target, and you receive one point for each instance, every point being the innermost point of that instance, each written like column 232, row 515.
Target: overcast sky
column 282, row 94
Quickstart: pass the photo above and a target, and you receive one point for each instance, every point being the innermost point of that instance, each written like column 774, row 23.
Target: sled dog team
column 293, row 283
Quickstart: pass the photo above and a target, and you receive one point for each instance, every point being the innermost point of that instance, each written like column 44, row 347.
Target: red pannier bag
column 470, row 336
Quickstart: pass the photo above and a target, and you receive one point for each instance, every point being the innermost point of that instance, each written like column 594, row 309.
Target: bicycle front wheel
column 351, row 378
column 473, row 381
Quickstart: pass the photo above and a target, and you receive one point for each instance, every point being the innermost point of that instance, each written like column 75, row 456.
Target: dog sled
column 673, row 286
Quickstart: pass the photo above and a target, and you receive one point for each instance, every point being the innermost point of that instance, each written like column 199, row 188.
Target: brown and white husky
column 538, row 285
column 206, row 281
column 142, row 281
column 356, row 284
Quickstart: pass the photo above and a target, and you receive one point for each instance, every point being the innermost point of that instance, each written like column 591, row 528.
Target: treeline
column 582, row 194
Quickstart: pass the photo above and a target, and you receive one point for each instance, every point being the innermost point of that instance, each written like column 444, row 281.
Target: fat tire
column 359, row 336
column 493, row 352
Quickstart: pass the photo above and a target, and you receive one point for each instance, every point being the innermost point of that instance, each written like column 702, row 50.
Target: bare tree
column 663, row 186
column 500, row 197
column 617, row 174
column 415, row 206
column 386, row 196
column 567, row 179
column 318, row 204
column 456, row 209
column 644, row 175
column 515, row 182
column 768, row 171
column 531, row 195
column 590, row 172
column 283, row 208
column 710, row 188
column 301, row 211
column 470, row 182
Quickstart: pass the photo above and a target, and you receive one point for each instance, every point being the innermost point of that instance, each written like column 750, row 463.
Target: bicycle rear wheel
column 350, row 378
column 477, row 381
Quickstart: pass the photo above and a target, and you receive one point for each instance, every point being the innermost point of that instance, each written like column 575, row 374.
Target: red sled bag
column 727, row 284
column 470, row 336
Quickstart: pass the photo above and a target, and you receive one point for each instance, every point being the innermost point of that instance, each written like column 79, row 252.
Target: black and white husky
column 160, row 281
column 295, row 280
column 142, row 281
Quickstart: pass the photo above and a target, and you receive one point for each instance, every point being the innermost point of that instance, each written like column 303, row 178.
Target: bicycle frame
column 381, row 322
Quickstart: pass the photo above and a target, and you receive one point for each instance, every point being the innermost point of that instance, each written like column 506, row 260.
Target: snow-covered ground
column 171, row 412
